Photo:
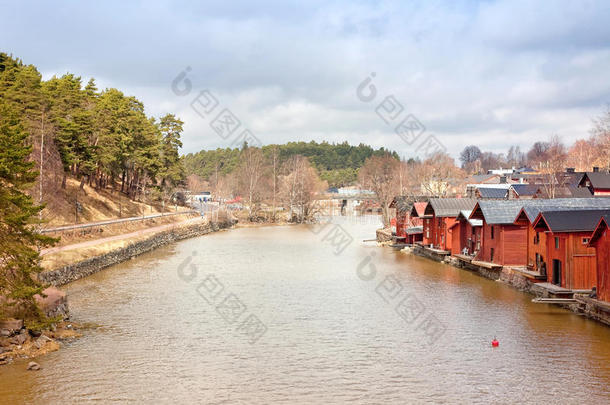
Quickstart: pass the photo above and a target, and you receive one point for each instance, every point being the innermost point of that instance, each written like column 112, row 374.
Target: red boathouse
column 571, row 262
column 600, row 239
column 440, row 214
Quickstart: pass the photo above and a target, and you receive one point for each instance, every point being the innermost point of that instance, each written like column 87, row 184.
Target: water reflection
column 331, row 337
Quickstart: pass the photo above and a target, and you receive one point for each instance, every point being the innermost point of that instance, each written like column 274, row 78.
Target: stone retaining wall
column 591, row 308
column 423, row 252
column 384, row 235
column 66, row 274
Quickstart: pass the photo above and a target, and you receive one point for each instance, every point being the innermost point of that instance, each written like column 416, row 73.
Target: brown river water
column 295, row 315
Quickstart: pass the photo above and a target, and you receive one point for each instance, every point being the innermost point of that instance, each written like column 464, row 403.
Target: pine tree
column 173, row 171
column 19, row 258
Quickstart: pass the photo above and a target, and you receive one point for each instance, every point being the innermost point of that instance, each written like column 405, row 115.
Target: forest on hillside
column 337, row 164
column 101, row 138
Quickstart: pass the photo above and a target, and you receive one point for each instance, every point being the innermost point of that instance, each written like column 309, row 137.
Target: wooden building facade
column 598, row 182
column 419, row 211
column 407, row 222
column 570, row 260
column 465, row 234
column 440, row 214
column 504, row 242
column 600, row 240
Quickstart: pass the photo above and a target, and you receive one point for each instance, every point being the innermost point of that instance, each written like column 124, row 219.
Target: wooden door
column 556, row 272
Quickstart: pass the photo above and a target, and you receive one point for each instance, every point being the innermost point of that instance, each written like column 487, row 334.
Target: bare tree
column 490, row 160
column 582, row 155
column 538, row 153
column 197, row 183
column 379, row 175
column 469, row 156
column 249, row 177
column 403, row 177
column 274, row 174
column 436, row 173
column 552, row 167
column 515, row 157
column 601, row 139
column 227, row 186
column 299, row 186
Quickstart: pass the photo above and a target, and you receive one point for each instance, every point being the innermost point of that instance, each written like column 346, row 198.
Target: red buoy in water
column 495, row 343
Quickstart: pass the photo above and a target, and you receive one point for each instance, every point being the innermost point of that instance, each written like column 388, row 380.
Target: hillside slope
column 338, row 164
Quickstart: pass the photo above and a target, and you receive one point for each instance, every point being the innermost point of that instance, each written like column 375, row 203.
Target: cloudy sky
column 491, row 73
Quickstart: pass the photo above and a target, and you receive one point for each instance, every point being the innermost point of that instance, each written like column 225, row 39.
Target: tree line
column 266, row 180
column 582, row 155
column 438, row 175
column 337, row 164
column 103, row 138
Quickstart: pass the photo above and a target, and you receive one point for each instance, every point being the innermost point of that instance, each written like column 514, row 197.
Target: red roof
column 420, row 208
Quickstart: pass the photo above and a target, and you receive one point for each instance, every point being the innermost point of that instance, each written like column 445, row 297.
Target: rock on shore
column 23, row 344
column 54, row 303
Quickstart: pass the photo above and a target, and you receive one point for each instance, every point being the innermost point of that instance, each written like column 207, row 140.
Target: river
column 300, row 315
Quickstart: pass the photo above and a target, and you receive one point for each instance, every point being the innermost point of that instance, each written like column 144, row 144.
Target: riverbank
column 17, row 341
column 129, row 249
column 582, row 304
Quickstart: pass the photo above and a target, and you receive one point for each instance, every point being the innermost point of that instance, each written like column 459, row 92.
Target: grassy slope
column 97, row 205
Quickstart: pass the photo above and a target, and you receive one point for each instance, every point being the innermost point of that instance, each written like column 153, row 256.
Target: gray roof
column 526, row 189
column 449, row 207
column 598, row 179
column 501, row 212
column 572, row 179
column 524, row 169
column 486, row 192
column 579, row 192
column 465, row 214
column 402, row 203
column 478, row 178
column 565, row 204
column 575, row 221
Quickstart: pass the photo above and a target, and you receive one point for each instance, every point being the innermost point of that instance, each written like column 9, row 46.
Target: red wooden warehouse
column 440, row 214
column 408, row 227
column 598, row 182
column 419, row 211
column 536, row 240
column 415, row 230
column 503, row 241
column 508, row 236
column 465, row 234
column 600, row 239
column 571, row 262
column 401, row 205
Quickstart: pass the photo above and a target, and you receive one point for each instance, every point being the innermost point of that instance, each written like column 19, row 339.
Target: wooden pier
column 548, row 290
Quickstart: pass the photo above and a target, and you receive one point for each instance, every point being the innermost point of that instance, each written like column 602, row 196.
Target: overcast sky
column 491, row 73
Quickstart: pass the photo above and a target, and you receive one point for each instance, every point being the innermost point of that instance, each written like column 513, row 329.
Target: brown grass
column 97, row 205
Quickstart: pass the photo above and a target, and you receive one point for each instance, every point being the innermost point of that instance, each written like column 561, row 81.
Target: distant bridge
column 345, row 204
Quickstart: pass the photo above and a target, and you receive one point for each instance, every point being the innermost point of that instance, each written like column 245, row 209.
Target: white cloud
column 492, row 73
